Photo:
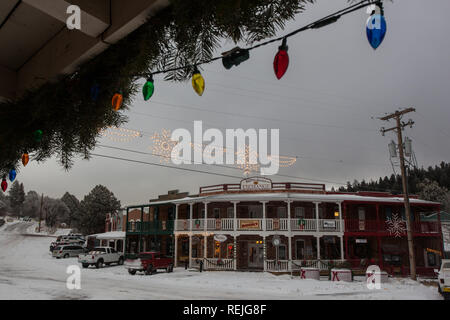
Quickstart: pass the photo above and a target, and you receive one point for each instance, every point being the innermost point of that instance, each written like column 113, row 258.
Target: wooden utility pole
column 40, row 213
column 399, row 127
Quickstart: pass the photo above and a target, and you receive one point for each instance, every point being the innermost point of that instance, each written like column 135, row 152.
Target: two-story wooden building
column 258, row 224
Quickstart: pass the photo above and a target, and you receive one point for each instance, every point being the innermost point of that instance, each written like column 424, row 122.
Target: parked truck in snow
column 444, row 279
column 149, row 262
column 100, row 256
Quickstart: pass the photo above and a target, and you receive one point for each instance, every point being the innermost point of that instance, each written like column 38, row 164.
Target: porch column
column 176, row 211
column 191, row 215
column 264, row 253
column 264, row 215
column 341, row 221
column 234, row 253
column 289, row 234
column 205, row 226
column 205, row 247
column 317, row 215
column 342, row 247
column 176, row 251
column 318, row 247
column 235, row 217
column 346, row 247
column 190, row 250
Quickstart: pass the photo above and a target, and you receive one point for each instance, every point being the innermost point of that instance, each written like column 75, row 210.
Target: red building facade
column 261, row 225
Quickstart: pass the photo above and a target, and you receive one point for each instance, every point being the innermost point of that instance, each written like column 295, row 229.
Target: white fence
column 227, row 224
column 280, row 265
column 219, row 264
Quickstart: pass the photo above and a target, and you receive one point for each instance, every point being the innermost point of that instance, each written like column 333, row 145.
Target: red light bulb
column 281, row 62
column 4, row 185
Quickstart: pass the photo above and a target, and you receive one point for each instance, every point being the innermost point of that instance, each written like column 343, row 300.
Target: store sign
column 361, row 240
column 250, row 224
column 220, row 237
column 256, row 184
column 276, row 224
column 434, row 251
column 329, row 224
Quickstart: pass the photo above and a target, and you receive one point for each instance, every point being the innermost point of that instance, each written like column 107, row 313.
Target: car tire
column 99, row 263
column 439, row 289
column 85, row 265
column 132, row 272
column 149, row 270
column 170, row 268
column 66, row 256
column 120, row 261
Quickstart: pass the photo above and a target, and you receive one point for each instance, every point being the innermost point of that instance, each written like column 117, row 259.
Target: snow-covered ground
column 27, row 271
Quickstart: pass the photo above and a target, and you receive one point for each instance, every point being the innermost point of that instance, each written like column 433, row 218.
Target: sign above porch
column 256, row 184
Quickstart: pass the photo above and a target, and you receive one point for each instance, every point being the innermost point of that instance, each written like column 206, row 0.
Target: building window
column 299, row 212
column 281, row 212
column 300, row 249
column 216, row 213
column 230, row 212
column 282, row 252
column 361, row 213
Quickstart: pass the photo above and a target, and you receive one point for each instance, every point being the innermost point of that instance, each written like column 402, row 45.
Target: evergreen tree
column 31, row 205
column 56, row 212
column 17, row 197
column 94, row 208
column 74, row 208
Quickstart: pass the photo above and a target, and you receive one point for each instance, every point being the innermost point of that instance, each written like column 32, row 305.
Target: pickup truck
column 149, row 262
column 100, row 256
column 444, row 279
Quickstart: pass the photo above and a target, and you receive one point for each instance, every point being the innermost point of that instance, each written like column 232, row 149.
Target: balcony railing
column 151, row 226
column 298, row 225
column 352, row 225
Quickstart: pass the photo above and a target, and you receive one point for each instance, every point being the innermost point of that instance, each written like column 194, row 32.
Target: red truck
column 149, row 262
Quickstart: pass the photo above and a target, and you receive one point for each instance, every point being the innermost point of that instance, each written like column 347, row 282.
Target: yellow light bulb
column 198, row 83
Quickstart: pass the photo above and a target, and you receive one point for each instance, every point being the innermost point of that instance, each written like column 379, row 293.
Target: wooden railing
column 354, row 225
column 150, row 226
column 279, row 266
column 219, row 264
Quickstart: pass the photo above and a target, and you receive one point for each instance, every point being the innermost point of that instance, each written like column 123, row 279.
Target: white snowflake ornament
column 396, row 226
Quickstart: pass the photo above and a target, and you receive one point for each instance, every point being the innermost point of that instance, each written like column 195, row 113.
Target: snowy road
column 27, row 271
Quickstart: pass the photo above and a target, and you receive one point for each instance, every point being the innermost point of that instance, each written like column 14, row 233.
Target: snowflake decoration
column 247, row 167
column 396, row 226
column 120, row 134
column 163, row 145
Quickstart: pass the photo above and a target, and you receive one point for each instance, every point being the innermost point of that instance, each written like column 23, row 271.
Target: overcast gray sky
column 335, row 84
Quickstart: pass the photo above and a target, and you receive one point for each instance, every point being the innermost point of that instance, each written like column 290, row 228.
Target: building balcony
column 156, row 227
column 352, row 225
column 254, row 224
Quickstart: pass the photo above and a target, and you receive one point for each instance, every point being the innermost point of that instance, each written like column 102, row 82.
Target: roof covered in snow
column 109, row 235
column 307, row 197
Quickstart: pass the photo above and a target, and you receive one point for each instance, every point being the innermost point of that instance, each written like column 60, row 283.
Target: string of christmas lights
column 375, row 29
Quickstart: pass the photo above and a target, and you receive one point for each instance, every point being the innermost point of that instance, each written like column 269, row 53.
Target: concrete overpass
column 36, row 44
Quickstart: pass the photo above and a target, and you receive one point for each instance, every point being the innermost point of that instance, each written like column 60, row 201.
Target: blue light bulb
column 376, row 30
column 12, row 175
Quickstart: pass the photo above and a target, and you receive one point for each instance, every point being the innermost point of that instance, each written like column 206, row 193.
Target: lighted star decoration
column 395, row 225
column 163, row 145
column 120, row 134
column 247, row 167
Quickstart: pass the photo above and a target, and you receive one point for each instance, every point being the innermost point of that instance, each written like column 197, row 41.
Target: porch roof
column 269, row 196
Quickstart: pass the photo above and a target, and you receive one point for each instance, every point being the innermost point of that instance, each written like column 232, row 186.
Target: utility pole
column 399, row 127
column 40, row 213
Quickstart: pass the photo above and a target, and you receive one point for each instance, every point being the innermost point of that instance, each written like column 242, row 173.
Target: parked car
column 100, row 256
column 66, row 251
column 149, row 262
column 444, row 279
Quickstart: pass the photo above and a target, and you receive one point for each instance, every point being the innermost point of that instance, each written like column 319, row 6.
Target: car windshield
column 58, row 248
column 99, row 249
column 446, row 265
